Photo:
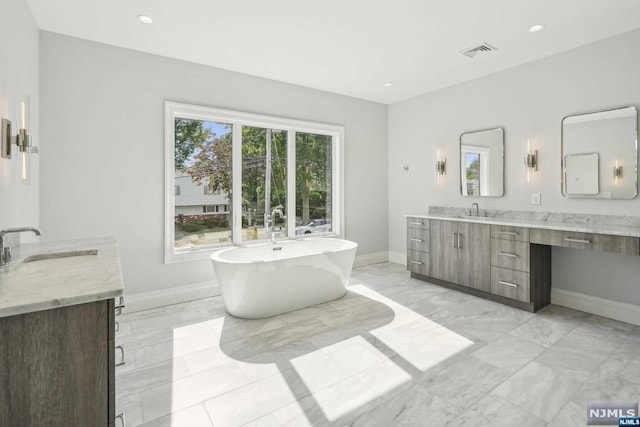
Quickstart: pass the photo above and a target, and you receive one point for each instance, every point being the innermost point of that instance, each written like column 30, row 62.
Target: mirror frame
column 562, row 155
column 460, row 161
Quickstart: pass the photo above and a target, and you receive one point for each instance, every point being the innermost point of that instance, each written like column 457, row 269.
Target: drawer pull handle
column 509, row 254
column 510, row 233
column 453, row 240
column 116, row 327
column 122, row 361
column 459, row 241
column 119, row 306
column 570, row 239
column 417, row 262
column 417, row 240
column 417, row 223
column 502, row 282
column 122, row 419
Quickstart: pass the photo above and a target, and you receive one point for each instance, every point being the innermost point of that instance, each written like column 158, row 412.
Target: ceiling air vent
column 481, row 48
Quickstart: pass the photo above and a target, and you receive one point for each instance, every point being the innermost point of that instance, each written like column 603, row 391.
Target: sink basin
column 55, row 255
column 472, row 217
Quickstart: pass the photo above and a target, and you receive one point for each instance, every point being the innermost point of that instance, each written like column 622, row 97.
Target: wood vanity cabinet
column 520, row 269
column 57, row 367
column 510, row 264
column 590, row 241
column 494, row 262
column 418, row 246
column 460, row 253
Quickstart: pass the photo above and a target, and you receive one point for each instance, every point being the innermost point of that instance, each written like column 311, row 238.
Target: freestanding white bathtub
column 264, row 279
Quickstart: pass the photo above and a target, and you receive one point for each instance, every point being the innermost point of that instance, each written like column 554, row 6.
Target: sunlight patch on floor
column 408, row 328
column 338, row 378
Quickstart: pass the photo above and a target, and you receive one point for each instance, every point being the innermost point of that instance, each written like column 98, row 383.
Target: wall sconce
column 21, row 139
column 617, row 171
column 441, row 166
column 531, row 161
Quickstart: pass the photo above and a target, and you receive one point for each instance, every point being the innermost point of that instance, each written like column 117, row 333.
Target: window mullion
column 337, row 193
column 236, row 195
column 291, row 183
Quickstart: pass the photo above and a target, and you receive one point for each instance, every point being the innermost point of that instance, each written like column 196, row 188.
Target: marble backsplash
column 549, row 217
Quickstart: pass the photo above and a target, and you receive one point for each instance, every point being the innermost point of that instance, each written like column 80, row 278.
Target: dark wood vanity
column 58, row 367
column 57, row 328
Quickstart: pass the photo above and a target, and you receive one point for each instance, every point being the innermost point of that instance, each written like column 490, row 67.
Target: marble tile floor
column 394, row 351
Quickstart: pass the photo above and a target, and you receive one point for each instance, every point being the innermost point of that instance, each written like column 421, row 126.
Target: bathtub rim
column 216, row 256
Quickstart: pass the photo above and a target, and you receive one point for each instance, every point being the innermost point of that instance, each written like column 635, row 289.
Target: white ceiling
column 350, row 47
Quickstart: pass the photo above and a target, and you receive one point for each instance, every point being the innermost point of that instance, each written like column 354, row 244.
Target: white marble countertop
column 48, row 283
column 598, row 228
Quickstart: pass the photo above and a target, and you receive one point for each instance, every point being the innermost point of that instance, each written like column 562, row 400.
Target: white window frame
column 239, row 119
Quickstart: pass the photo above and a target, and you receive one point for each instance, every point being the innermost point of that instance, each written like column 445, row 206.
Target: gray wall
column 528, row 101
column 19, row 41
column 103, row 148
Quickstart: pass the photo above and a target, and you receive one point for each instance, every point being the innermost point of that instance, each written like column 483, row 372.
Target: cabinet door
column 54, row 367
column 474, row 255
column 444, row 251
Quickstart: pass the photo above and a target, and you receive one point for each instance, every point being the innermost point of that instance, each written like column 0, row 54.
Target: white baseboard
column 602, row 307
column 398, row 257
column 162, row 297
column 370, row 259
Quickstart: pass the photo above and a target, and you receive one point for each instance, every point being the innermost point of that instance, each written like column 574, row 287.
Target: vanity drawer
column 418, row 262
column 508, row 232
column 510, row 254
column 415, row 222
column 510, row 283
column 597, row 242
column 418, row 239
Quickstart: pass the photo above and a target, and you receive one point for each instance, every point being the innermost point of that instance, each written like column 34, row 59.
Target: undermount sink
column 56, row 255
column 472, row 217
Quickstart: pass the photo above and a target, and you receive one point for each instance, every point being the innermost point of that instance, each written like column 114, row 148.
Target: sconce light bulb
column 441, row 167
column 23, row 171
column 25, row 167
column 23, row 113
column 617, row 171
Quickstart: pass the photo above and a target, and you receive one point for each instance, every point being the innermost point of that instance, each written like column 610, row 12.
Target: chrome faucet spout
column 475, row 205
column 5, row 252
column 20, row 230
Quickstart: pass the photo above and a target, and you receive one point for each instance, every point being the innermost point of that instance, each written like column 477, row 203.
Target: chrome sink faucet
column 475, row 205
column 5, row 253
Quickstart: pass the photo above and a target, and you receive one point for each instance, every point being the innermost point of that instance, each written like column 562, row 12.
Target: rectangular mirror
column 482, row 163
column 599, row 154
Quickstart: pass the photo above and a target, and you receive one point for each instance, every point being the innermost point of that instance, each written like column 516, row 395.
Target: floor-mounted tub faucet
column 5, row 253
column 270, row 221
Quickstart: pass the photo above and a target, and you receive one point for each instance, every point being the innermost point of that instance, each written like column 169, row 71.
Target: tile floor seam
column 383, row 279
column 170, row 414
column 311, row 393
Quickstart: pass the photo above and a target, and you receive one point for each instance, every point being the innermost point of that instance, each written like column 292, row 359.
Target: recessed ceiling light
column 145, row 19
column 536, row 28
column 388, row 84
